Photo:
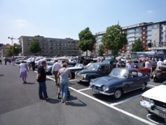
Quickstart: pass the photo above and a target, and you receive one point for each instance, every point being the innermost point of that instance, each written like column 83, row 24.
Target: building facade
column 154, row 33
column 51, row 46
column 4, row 50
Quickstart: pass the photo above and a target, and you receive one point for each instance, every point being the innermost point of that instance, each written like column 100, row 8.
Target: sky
column 66, row 18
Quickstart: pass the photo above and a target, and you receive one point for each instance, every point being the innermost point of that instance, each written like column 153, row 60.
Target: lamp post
column 12, row 38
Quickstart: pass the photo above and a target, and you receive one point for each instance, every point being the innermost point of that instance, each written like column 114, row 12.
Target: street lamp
column 12, row 39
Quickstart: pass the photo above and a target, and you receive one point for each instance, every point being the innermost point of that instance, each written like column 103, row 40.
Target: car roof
column 101, row 63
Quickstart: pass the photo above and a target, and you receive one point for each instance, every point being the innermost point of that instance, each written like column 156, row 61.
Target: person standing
column 13, row 61
column 159, row 63
column 41, row 78
column 55, row 68
column 64, row 74
column 119, row 64
column 23, row 71
column 129, row 64
column 33, row 63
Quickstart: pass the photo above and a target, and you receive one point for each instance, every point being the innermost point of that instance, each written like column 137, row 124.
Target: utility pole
column 12, row 38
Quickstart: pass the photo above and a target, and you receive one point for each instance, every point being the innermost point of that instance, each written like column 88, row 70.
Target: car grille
column 97, row 88
column 161, row 104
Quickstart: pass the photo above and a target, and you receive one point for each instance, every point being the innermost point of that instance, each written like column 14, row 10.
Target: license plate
column 95, row 90
column 162, row 114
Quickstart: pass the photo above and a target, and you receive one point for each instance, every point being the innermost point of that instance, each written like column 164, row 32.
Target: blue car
column 120, row 81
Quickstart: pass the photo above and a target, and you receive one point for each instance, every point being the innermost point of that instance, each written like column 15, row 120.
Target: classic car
column 159, row 73
column 94, row 70
column 120, row 81
column 154, row 100
column 140, row 67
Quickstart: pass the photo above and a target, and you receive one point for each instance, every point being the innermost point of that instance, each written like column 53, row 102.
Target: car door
column 104, row 70
column 133, row 80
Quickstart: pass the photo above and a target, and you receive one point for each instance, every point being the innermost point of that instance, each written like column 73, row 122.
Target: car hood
column 107, row 80
column 73, row 68
column 84, row 71
column 157, row 93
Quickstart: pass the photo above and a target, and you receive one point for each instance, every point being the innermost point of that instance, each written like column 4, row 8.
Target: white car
column 154, row 100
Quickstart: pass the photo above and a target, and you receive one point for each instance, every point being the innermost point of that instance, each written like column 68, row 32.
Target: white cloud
column 149, row 11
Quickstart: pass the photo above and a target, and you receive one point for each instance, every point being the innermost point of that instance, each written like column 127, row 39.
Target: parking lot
column 128, row 104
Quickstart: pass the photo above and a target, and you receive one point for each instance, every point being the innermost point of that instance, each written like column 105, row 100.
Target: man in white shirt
column 55, row 68
column 159, row 63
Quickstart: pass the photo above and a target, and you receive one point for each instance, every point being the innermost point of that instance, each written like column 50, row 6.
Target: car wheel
column 117, row 93
column 143, row 87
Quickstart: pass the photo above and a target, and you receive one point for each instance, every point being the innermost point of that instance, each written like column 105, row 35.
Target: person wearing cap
column 41, row 78
column 55, row 68
column 64, row 74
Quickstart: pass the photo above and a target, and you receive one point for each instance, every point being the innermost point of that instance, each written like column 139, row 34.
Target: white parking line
column 111, row 106
column 80, row 90
column 125, row 100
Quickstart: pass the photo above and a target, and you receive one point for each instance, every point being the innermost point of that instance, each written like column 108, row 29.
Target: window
column 149, row 37
column 140, row 74
column 155, row 26
column 130, row 31
column 149, row 33
column 149, row 28
column 131, row 39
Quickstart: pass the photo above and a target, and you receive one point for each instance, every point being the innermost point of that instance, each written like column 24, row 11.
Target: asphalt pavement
column 20, row 104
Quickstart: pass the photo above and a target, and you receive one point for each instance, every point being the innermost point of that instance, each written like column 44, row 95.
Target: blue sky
column 66, row 18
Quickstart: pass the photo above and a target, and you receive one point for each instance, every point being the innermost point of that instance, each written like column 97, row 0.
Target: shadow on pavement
column 83, row 83
column 74, row 101
column 1, row 75
column 53, row 101
column 30, row 83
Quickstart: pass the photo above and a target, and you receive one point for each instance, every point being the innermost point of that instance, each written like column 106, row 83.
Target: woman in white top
column 23, row 71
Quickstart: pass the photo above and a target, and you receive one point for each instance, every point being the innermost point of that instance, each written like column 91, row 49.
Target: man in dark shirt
column 41, row 78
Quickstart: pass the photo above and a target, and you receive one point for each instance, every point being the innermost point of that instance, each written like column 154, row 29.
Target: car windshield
column 121, row 73
column 93, row 67
column 79, row 65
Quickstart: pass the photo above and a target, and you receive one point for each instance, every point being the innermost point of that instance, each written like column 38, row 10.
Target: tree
column 101, row 50
column 114, row 39
column 86, row 40
column 14, row 50
column 34, row 46
column 137, row 46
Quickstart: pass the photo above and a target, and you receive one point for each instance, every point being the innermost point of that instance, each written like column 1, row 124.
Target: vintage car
column 94, row 70
column 145, row 71
column 159, row 73
column 154, row 100
column 120, row 81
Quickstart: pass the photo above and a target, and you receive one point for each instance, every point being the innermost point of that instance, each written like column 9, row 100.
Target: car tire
column 143, row 86
column 117, row 93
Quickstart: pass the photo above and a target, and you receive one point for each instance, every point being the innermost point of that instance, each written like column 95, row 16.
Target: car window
column 140, row 74
column 107, row 68
column 133, row 73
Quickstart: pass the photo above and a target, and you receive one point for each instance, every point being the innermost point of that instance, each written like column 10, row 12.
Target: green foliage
column 114, row 39
column 137, row 46
column 86, row 40
column 34, row 46
column 14, row 50
column 101, row 50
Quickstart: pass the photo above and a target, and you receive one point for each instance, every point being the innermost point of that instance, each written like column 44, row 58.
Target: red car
column 144, row 70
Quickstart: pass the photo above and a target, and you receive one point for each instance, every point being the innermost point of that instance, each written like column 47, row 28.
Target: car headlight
column 145, row 98
column 105, row 88
column 84, row 75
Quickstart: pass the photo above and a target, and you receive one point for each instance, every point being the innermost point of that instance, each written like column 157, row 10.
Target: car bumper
column 101, row 92
column 81, row 78
column 157, row 110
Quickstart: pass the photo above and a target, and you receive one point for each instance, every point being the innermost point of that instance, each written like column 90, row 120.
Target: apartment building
column 148, row 32
column 4, row 50
column 51, row 46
